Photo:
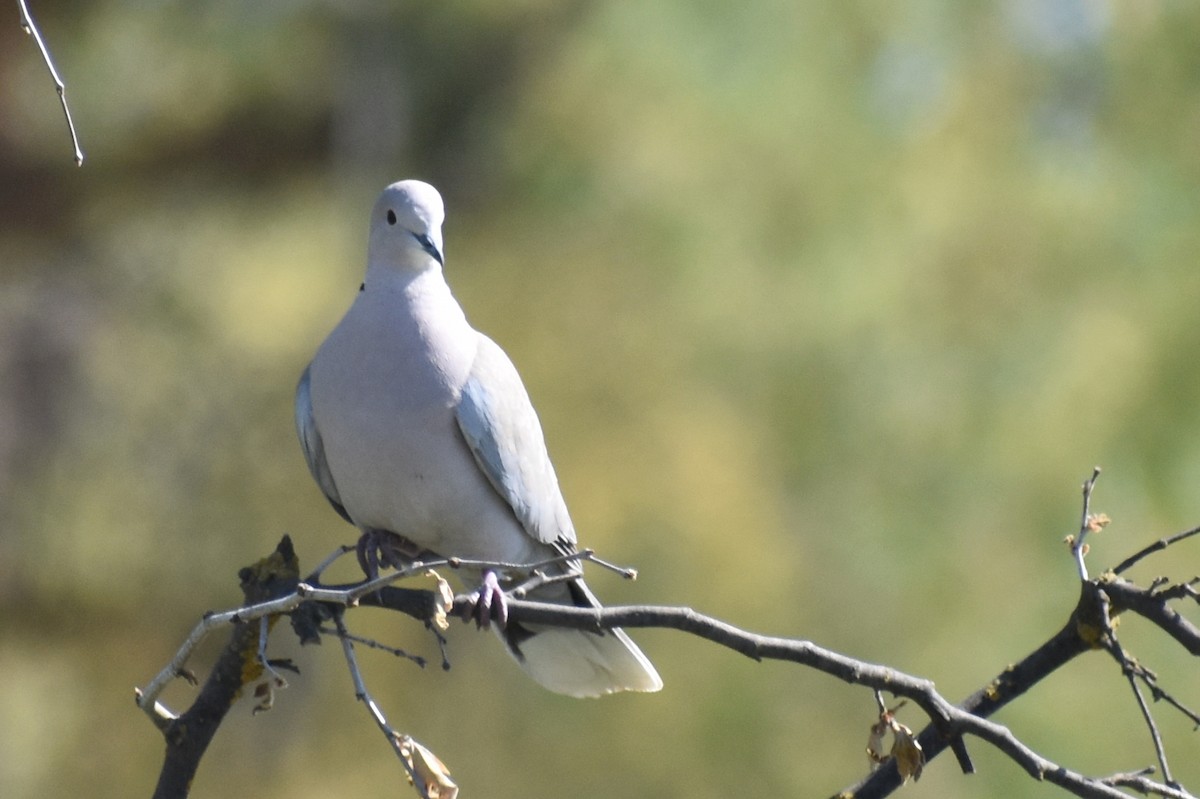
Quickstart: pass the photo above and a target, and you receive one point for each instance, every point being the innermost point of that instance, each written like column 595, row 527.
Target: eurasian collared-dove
column 418, row 429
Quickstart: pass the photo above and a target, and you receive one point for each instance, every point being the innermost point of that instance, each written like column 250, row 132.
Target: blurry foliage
column 827, row 309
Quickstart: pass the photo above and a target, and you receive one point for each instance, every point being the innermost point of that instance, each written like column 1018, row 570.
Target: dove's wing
column 314, row 450
column 501, row 428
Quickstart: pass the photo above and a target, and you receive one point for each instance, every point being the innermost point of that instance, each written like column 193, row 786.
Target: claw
column 382, row 548
column 365, row 545
column 488, row 603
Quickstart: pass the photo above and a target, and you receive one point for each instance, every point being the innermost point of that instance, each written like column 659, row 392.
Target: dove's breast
column 384, row 388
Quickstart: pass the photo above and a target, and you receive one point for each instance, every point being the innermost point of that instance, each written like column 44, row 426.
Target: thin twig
column 1159, row 750
column 1184, row 590
column 428, row 775
column 1158, row 694
column 583, row 555
column 31, row 29
column 361, row 693
column 1137, row 781
column 349, row 595
column 371, row 643
column 1077, row 548
column 147, row 698
column 624, row 571
column 442, row 644
column 316, row 573
column 1157, row 546
column 1129, row 670
column 539, row 579
column 264, row 632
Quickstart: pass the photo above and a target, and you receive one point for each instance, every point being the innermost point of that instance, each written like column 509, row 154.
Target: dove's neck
column 417, row 287
column 423, row 300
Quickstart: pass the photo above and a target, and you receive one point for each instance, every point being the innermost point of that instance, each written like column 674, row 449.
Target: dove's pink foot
column 488, row 603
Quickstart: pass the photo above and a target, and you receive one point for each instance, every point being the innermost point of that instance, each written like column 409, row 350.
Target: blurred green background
column 827, row 308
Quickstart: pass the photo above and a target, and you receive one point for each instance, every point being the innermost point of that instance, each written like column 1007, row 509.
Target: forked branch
column 273, row 588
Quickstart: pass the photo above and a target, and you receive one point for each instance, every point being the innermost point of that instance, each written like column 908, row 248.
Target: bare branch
column 1129, row 670
column 1152, row 605
column 330, row 559
column 188, row 735
column 949, row 721
column 1159, row 695
column 310, row 604
column 426, row 773
column 27, row 25
column 1137, row 781
column 1157, row 546
column 343, row 633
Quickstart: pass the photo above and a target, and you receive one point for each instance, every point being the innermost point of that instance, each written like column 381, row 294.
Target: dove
column 419, row 431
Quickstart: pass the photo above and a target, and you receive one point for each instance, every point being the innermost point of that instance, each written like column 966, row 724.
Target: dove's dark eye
column 391, row 217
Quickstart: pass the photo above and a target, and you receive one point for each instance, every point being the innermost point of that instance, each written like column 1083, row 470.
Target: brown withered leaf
column 910, row 760
column 430, row 776
column 875, row 743
column 446, row 596
column 264, row 692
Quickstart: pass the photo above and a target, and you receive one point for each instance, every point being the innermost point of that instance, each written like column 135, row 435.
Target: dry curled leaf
column 905, row 749
column 446, row 596
column 909, row 757
column 875, row 743
column 264, row 692
column 430, row 776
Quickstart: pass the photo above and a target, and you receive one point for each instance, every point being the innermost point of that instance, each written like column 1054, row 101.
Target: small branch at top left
column 30, row 28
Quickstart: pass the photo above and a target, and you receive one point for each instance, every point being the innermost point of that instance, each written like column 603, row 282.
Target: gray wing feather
column 501, row 428
column 314, row 449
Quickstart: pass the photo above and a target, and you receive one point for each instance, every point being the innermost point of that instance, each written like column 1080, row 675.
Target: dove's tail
column 581, row 663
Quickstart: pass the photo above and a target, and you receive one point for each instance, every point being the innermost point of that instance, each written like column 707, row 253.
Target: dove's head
column 406, row 227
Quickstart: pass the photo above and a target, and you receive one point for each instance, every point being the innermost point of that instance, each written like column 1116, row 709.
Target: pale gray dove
column 420, row 432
